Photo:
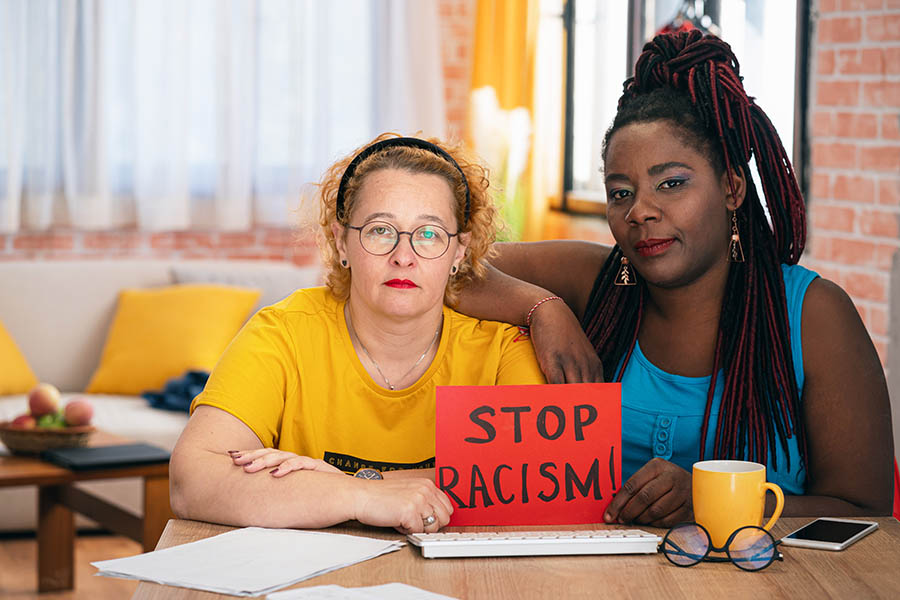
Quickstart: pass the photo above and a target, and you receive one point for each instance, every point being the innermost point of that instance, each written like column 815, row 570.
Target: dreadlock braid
column 693, row 82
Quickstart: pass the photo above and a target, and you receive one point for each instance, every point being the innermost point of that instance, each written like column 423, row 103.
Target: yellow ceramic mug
column 730, row 494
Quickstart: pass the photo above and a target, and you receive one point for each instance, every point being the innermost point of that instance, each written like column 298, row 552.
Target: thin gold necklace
column 377, row 368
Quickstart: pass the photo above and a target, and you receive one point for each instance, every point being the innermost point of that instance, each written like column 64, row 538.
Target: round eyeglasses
column 750, row 548
column 380, row 238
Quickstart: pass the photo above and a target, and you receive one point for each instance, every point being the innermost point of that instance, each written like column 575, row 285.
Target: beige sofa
column 59, row 313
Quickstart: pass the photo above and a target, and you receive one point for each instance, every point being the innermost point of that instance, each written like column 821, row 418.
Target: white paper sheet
column 392, row 591
column 248, row 562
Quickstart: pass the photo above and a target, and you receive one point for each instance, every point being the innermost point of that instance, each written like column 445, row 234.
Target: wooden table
column 870, row 569
column 59, row 499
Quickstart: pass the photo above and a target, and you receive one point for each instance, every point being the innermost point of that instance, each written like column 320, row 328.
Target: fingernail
column 273, row 470
column 607, row 517
column 233, row 451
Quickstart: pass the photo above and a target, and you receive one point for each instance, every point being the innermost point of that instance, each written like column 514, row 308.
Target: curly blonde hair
column 482, row 225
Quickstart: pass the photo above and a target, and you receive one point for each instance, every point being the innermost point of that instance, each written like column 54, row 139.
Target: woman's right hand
column 403, row 504
column 283, row 462
column 562, row 348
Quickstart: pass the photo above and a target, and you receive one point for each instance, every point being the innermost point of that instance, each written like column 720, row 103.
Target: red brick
column 111, row 240
column 162, row 241
column 43, row 241
column 877, row 321
column 445, row 9
column 889, row 192
column 883, row 27
column 884, row 255
column 892, row 60
column 842, row 156
column 867, row 286
column 256, row 256
column 882, row 93
column 880, row 158
column 191, row 240
column 821, row 185
column 855, row 188
column 849, row 252
column 848, row 5
column 878, row 223
column 236, row 240
column 826, row 6
column 832, row 218
column 279, row 238
column 868, row 61
column 837, row 93
column 882, row 348
column 825, row 62
column 890, row 126
column 822, row 124
column 833, row 274
column 856, row 125
column 840, row 30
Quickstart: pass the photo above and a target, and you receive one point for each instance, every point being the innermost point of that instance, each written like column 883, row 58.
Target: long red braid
column 693, row 81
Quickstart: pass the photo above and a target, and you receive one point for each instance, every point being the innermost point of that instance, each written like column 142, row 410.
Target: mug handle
column 779, row 502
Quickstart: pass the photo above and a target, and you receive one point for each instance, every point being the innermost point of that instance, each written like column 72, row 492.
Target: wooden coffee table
column 59, row 500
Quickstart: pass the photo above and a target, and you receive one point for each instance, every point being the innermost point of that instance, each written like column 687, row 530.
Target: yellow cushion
column 16, row 377
column 158, row 334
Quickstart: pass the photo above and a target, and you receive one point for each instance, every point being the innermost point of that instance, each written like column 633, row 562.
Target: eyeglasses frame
column 450, row 236
column 776, row 555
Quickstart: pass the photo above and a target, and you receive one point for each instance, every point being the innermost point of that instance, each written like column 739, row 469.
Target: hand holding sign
column 528, row 455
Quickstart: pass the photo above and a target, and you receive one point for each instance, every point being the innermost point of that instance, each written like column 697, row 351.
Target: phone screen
column 828, row 531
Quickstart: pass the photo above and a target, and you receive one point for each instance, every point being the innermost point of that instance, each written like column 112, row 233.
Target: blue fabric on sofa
column 179, row 392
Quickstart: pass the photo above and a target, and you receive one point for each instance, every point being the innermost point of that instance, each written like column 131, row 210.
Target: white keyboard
column 535, row 543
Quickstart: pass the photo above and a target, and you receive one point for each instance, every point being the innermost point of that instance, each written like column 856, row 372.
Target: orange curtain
column 501, row 115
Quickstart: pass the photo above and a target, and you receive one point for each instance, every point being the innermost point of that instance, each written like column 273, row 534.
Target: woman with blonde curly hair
column 340, row 380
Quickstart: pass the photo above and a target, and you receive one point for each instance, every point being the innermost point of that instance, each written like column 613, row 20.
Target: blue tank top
column 662, row 413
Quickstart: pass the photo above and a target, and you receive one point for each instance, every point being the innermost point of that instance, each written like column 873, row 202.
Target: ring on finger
column 429, row 520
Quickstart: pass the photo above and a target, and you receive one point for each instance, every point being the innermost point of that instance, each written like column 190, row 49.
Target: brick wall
column 854, row 200
column 457, row 24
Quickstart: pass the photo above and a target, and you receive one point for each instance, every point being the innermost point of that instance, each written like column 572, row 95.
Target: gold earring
column 625, row 275
column 735, row 250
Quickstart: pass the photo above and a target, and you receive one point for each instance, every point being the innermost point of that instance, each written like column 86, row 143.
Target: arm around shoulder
column 846, row 409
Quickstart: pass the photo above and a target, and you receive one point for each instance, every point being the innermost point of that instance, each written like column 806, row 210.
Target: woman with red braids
column 724, row 345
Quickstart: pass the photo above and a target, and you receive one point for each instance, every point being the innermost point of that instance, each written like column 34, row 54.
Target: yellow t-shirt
column 292, row 376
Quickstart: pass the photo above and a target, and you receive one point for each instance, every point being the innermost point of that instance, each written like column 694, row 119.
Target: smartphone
column 829, row 534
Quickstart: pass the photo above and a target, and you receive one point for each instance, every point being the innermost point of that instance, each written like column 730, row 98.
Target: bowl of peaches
column 48, row 423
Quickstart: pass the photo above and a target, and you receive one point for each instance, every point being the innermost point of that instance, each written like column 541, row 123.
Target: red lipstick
column 400, row 284
column 653, row 246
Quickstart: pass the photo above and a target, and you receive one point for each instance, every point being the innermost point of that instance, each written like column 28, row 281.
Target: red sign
column 528, row 454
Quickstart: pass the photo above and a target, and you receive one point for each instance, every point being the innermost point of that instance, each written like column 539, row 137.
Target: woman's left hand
column 280, row 462
column 659, row 495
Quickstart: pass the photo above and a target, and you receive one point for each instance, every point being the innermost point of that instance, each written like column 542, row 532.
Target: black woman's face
column 667, row 208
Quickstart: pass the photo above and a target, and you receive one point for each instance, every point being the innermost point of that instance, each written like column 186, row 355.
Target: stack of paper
column 248, row 562
column 388, row 591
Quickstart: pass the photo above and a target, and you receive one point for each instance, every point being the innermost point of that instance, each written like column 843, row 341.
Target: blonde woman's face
column 400, row 283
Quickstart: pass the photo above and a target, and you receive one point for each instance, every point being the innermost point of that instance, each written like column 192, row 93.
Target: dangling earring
column 344, row 263
column 626, row 274
column 735, row 250
column 453, row 270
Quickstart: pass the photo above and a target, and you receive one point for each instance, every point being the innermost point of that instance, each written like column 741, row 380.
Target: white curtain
column 204, row 114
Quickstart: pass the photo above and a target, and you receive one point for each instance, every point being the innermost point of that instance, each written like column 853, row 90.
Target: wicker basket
column 34, row 441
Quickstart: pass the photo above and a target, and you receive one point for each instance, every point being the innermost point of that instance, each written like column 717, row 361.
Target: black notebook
column 104, row 457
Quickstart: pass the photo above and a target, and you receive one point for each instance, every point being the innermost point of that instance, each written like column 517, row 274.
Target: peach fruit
column 24, row 422
column 78, row 412
column 43, row 399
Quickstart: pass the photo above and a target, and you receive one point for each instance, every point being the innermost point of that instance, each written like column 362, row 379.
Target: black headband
column 390, row 143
